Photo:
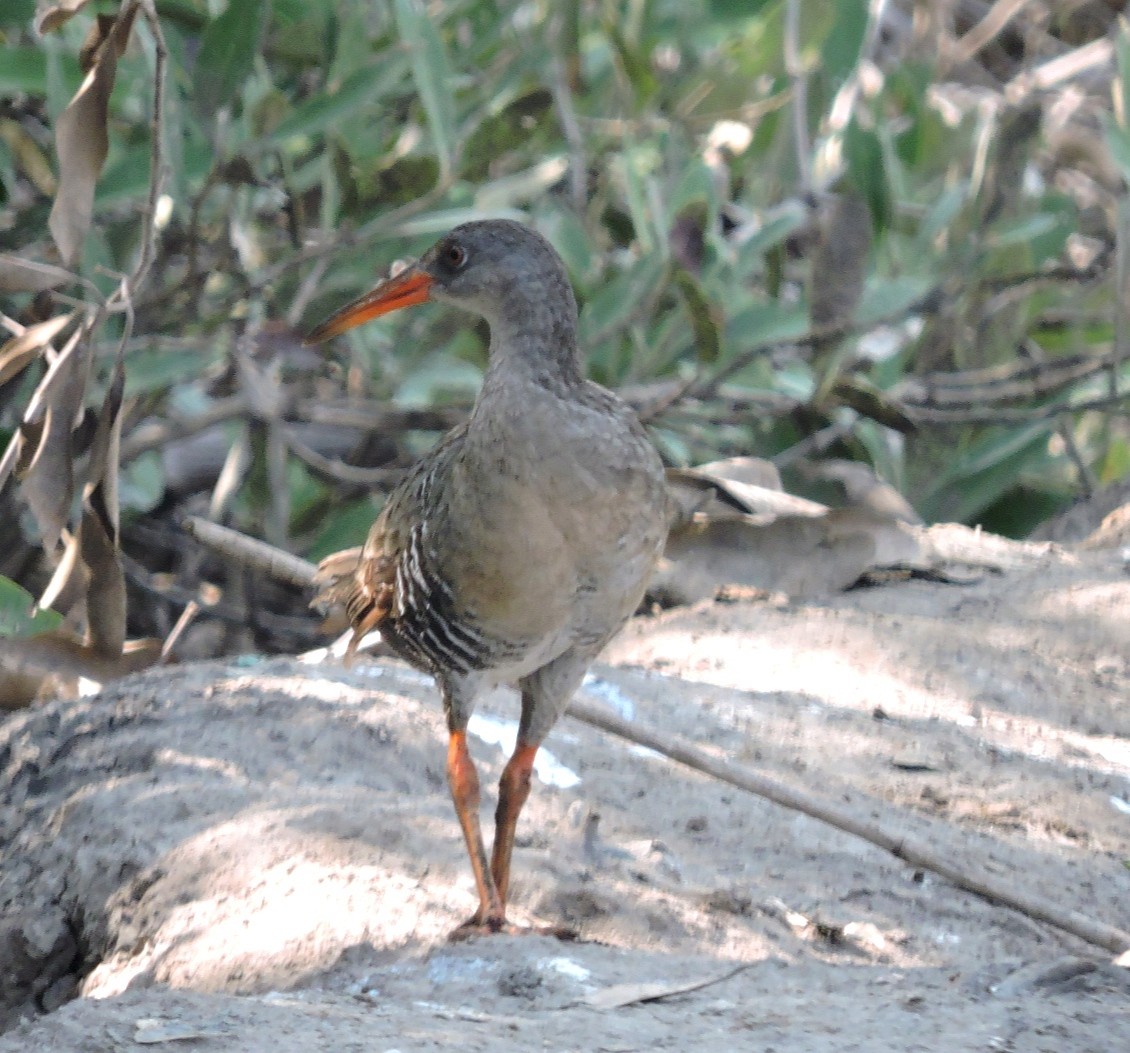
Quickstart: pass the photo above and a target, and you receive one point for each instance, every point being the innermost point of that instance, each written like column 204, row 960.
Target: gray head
column 496, row 268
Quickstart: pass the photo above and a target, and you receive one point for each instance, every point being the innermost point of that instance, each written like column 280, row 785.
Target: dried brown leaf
column 98, row 531
column 48, row 450
column 23, row 275
column 54, row 662
column 66, row 587
column 862, row 488
column 801, row 556
column 735, row 487
column 51, row 14
column 106, row 587
column 19, row 352
column 29, row 158
column 81, row 141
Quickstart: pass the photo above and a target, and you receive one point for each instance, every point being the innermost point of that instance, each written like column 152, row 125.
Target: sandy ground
column 259, row 856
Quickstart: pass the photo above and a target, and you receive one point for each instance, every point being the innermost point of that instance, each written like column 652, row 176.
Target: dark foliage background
column 882, row 231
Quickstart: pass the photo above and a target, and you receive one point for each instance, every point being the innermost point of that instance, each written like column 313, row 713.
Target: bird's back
column 529, row 530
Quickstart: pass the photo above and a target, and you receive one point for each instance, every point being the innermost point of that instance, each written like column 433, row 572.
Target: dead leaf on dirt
column 736, row 486
column 619, row 995
column 55, row 663
column 801, row 556
column 51, row 14
column 19, row 352
column 18, row 274
column 862, row 488
column 81, row 139
column 734, row 527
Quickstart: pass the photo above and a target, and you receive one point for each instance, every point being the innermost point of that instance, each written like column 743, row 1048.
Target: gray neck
column 534, row 339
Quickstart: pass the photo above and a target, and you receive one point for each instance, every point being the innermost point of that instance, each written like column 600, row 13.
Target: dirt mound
column 261, row 855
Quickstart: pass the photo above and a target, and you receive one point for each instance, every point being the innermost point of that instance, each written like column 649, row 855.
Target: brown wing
column 364, row 587
column 364, row 581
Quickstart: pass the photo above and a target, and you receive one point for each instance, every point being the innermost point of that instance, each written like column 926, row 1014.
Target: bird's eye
column 455, row 255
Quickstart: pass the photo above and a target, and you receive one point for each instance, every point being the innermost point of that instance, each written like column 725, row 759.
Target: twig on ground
column 856, row 821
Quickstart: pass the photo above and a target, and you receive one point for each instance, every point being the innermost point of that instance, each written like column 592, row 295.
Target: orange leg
column 464, row 783
column 513, row 789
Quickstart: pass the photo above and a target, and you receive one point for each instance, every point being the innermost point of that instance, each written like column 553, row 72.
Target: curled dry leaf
column 51, row 14
column 21, row 350
column 81, row 138
column 801, row 556
column 43, row 441
column 98, row 542
column 730, row 530
column 734, row 487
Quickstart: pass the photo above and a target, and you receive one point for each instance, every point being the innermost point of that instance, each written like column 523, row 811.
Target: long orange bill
column 411, row 286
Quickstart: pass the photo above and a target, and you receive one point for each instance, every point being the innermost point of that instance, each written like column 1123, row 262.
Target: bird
column 521, row 544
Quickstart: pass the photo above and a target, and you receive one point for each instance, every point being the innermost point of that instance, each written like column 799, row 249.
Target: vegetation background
column 874, row 231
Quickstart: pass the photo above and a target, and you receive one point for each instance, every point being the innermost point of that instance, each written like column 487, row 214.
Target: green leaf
column 142, row 483
column 228, row 48
column 774, row 231
column 348, row 526
column 23, row 69
column 867, row 172
column 942, row 213
column 840, row 52
column 362, row 88
column 696, row 187
column 1021, row 231
column 986, row 471
column 155, row 368
column 1116, row 464
column 703, row 315
column 571, row 240
column 885, row 298
column 1118, row 141
column 766, row 323
column 432, row 74
column 732, row 10
column 1122, row 85
column 16, row 612
column 128, row 176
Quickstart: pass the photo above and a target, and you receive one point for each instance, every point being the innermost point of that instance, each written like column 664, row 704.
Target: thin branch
column 794, row 67
column 994, row 415
column 998, row 16
column 152, row 435
column 858, row 821
column 340, row 472
column 156, row 149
